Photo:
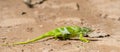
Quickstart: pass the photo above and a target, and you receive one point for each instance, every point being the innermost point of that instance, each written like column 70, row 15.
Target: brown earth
column 20, row 23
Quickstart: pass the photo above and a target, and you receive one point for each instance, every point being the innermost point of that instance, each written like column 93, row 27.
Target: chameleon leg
column 82, row 38
column 57, row 34
column 64, row 37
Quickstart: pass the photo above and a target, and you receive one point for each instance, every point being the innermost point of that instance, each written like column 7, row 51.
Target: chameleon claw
column 84, row 40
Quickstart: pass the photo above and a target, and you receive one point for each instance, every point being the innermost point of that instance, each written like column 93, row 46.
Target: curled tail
column 32, row 40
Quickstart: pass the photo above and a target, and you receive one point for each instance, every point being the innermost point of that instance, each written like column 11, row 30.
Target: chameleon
column 62, row 33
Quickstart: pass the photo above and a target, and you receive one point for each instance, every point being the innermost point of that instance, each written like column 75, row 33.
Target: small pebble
column 23, row 13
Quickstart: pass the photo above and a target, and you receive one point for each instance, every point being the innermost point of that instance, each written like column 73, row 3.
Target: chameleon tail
column 33, row 40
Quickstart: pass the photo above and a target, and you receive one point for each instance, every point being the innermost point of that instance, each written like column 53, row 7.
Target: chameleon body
column 63, row 33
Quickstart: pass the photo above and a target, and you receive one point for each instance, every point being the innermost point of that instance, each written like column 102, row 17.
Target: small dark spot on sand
column 23, row 13
column 29, row 29
column 22, row 50
column 24, row 45
column 48, row 44
column 119, row 19
column 78, row 46
column 8, row 26
column 51, row 49
column 0, row 26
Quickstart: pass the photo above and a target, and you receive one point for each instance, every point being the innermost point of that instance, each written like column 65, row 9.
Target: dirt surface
column 18, row 22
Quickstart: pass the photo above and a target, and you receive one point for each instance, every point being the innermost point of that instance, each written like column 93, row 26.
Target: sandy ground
column 18, row 22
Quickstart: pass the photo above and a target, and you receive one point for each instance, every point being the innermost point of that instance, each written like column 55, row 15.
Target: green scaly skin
column 63, row 33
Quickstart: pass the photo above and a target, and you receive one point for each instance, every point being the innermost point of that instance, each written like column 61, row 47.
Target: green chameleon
column 63, row 33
